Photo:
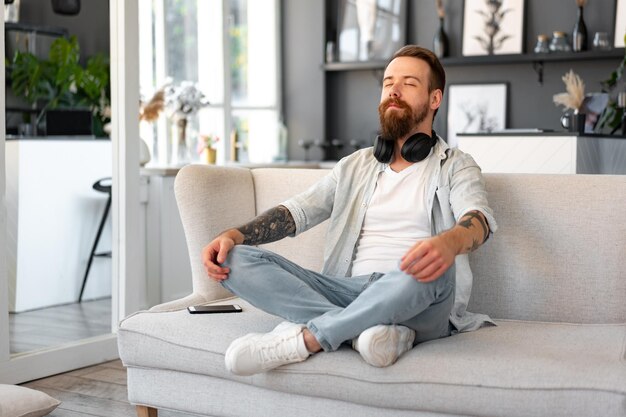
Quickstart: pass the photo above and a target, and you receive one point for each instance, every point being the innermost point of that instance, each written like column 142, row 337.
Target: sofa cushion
column 517, row 368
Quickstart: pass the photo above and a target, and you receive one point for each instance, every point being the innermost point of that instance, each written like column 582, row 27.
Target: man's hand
column 428, row 259
column 214, row 254
column 270, row 226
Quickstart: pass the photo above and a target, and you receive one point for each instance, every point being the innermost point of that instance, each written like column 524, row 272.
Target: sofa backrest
column 560, row 251
column 559, row 254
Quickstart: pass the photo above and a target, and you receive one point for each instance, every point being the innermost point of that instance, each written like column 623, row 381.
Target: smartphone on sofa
column 230, row 308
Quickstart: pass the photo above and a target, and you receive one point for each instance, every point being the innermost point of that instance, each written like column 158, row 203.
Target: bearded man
column 403, row 216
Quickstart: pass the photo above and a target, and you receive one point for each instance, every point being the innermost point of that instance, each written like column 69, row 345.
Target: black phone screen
column 214, row 309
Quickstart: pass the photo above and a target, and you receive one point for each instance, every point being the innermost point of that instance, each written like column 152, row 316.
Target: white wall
column 52, row 218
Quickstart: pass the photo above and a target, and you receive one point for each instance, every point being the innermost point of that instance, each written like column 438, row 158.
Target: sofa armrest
column 210, row 200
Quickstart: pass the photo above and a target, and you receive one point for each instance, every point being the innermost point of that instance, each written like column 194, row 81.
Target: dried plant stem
column 440, row 9
column 575, row 92
column 150, row 111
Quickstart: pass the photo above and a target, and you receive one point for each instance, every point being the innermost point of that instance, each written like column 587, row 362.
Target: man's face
column 405, row 102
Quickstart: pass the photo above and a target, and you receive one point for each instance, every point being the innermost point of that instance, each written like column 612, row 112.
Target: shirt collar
column 441, row 148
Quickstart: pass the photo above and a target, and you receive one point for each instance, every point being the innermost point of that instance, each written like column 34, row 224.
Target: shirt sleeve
column 468, row 191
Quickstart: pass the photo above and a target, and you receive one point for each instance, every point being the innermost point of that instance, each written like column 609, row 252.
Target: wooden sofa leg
column 145, row 411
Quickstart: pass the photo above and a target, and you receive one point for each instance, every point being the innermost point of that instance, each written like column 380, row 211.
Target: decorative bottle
column 440, row 42
column 579, row 37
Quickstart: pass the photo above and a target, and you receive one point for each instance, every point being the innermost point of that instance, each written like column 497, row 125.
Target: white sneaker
column 287, row 325
column 260, row 352
column 382, row 345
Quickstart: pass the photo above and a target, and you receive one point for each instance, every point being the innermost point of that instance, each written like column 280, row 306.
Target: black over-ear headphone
column 416, row 148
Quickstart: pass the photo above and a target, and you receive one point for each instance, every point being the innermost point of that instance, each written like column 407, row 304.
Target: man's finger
column 221, row 256
column 413, row 255
column 421, row 270
column 218, row 277
column 439, row 272
column 216, row 269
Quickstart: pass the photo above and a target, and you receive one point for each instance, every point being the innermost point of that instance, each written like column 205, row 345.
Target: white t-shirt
column 396, row 218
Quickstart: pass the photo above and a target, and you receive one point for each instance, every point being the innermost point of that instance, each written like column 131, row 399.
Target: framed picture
column 370, row 30
column 476, row 108
column 493, row 27
column 620, row 23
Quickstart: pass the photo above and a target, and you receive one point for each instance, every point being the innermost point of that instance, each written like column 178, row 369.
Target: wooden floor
column 53, row 326
column 94, row 391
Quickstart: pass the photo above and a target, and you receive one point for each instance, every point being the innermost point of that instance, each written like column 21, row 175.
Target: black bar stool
column 104, row 186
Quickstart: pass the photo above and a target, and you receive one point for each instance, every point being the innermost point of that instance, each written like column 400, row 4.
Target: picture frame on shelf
column 620, row 23
column 370, row 30
column 476, row 108
column 493, row 28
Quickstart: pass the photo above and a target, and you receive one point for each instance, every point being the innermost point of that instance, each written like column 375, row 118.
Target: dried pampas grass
column 150, row 111
column 581, row 3
column 575, row 92
column 440, row 10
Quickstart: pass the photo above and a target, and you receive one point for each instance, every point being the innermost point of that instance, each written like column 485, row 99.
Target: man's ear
column 435, row 99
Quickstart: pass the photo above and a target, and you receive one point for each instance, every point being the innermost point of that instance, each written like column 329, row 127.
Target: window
column 230, row 49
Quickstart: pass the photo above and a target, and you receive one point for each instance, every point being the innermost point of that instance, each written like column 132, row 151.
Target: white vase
column 144, row 153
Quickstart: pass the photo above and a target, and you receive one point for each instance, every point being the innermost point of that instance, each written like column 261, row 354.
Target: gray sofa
column 553, row 277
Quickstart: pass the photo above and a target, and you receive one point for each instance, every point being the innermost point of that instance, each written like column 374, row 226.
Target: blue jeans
column 337, row 309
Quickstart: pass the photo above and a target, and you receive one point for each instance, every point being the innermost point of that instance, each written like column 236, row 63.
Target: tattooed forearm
column 467, row 221
column 273, row 225
column 475, row 245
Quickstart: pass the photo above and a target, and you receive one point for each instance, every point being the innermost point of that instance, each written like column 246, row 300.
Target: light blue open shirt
column 455, row 187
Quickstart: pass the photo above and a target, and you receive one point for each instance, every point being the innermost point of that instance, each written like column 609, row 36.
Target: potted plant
column 613, row 115
column 60, row 82
column 206, row 148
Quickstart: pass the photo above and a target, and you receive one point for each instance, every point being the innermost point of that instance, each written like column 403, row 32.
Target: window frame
column 157, row 77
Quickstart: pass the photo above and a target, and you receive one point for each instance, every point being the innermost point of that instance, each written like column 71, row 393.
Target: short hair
column 437, row 73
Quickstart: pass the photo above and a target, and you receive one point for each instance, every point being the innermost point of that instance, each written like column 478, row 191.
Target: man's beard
column 397, row 124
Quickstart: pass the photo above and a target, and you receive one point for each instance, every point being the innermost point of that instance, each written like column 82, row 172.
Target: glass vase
column 180, row 154
column 579, row 36
column 440, row 42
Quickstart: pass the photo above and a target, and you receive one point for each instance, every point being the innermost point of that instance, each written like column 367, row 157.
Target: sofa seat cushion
column 516, row 368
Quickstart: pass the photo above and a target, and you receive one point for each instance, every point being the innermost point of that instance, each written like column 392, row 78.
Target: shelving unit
column 534, row 78
column 489, row 60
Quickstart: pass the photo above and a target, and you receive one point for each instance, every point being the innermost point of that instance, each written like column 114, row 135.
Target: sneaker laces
column 284, row 349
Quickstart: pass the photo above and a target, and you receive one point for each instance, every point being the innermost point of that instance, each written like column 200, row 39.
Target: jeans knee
column 405, row 288
column 242, row 261
column 241, row 255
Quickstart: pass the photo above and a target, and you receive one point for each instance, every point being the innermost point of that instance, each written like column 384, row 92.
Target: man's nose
column 394, row 92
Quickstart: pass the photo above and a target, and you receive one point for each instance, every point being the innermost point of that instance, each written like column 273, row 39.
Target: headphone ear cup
column 418, row 146
column 383, row 150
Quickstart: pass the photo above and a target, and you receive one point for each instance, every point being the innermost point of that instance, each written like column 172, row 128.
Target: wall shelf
column 537, row 60
column 524, row 58
column 354, row 66
column 489, row 60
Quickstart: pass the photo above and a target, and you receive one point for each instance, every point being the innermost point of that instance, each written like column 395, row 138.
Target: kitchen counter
column 11, row 138
column 546, row 152
column 169, row 171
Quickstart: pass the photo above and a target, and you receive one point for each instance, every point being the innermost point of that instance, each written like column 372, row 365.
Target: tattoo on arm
column 466, row 222
column 475, row 245
column 273, row 225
